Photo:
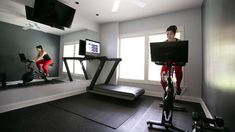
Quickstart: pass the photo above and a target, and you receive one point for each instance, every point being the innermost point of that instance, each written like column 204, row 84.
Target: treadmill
column 117, row 91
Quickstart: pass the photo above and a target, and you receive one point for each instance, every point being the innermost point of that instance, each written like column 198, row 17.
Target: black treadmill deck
column 129, row 92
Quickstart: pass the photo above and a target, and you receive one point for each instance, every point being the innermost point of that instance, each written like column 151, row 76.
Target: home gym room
column 113, row 65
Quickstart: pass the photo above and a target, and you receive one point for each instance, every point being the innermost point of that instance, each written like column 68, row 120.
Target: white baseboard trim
column 181, row 97
column 154, row 94
column 40, row 100
column 184, row 98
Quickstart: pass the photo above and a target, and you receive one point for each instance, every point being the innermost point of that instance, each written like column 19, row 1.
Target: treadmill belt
column 104, row 110
column 118, row 91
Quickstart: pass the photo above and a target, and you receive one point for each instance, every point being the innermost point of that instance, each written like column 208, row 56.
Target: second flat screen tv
column 92, row 47
column 89, row 48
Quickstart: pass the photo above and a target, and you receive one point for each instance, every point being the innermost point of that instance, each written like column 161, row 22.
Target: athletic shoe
column 178, row 91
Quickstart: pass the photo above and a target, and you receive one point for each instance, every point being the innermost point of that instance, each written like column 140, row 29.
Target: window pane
column 68, row 52
column 154, row 70
column 132, row 54
column 161, row 37
column 78, row 66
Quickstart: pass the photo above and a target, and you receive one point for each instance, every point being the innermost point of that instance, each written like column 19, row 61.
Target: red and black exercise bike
column 30, row 73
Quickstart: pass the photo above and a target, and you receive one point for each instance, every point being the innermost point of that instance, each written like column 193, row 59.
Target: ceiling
column 13, row 11
column 127, row 10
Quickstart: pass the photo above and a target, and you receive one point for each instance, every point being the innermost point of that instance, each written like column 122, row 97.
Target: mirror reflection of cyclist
column 170, row 32
column 42, row 59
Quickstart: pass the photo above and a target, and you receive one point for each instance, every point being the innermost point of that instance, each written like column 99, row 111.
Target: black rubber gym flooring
column 93, row 113
column 107, row 111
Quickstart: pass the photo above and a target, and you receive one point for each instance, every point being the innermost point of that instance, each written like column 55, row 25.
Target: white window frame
column 74, row 54
column 146, row 34
column 129, row 80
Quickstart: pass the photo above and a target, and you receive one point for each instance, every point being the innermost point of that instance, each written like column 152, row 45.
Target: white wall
column 190, row 20
column 109, row 36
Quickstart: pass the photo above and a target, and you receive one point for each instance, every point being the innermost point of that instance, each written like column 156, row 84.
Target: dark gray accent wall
column 219, row 58
column 14, row 40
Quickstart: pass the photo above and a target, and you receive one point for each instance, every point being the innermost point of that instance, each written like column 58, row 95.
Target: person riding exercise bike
column 170, row 32
column 170, row 55
column 30, row 72
column 42, row 59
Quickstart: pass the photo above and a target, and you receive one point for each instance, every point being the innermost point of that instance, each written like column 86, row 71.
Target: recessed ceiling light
column 76, row 2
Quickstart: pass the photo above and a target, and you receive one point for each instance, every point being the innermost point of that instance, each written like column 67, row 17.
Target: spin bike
column 169, row 54
column 168, row 103
column 31, row 73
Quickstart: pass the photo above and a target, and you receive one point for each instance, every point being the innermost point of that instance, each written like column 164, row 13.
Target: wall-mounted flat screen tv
column 52, row 13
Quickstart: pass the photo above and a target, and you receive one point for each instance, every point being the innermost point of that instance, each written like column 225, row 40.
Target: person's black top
column 46, row 57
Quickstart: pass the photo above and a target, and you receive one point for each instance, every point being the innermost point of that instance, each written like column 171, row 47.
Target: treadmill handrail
column 85, row 58
column 97, row 74
column 100, row 68
column 80, row 59
column 102, row 59
column 114, row 67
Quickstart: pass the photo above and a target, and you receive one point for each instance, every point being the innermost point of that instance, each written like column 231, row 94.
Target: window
column 77, row 65
column 69, row 52
column 132, row 54
column 72, row 50
column 136, row 65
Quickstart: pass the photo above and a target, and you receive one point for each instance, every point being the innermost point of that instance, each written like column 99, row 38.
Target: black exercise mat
column 104, row 110
column 30, row 84
column 46, row 118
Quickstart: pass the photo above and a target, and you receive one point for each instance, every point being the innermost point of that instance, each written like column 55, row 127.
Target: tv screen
column 52, row 13
column 92, row 47
column 65, row 14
